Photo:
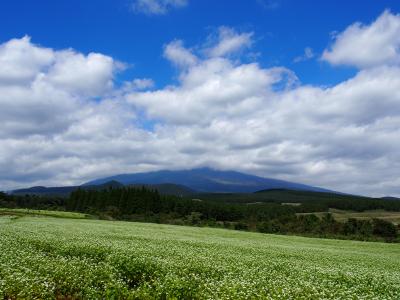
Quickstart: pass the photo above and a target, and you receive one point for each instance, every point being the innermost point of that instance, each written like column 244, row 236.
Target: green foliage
column 31, row 201
column 142, row 201
column 310, row 201
column 384, row 228
column 327, row 227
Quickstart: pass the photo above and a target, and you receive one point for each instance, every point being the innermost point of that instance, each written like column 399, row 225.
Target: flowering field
column 38, row 212
column 47, row 258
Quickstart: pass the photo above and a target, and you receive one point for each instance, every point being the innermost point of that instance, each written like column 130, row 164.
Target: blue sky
column 283, row 29
column 305, row 91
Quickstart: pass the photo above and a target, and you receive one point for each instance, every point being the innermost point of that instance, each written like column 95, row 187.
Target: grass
column 344, row 215
column 47, row 258
column 48, row 213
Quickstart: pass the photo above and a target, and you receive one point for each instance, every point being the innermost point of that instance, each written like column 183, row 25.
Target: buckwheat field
column 48, row 258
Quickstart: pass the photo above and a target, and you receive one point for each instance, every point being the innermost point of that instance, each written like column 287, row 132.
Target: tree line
column 143, row 204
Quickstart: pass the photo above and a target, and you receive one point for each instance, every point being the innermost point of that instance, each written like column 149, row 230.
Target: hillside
column 101, row 260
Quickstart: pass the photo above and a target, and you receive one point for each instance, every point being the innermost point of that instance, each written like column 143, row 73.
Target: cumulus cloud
column 221, row 113
column 90, row 74
column 214, row 88
column 157, row 7
column 366, row 46
column 21, row 61
column 44, row 88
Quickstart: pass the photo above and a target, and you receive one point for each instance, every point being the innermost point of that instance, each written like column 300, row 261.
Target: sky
column 305, row 91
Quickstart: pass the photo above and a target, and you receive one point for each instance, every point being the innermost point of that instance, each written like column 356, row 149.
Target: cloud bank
column 64, row 120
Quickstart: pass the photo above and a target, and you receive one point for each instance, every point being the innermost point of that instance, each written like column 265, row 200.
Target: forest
column 280, row 212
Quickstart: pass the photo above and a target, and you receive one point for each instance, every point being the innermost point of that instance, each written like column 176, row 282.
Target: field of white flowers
column 48, row 258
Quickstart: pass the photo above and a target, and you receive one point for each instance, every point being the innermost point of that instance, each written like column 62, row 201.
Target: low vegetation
column 56, row 258
column 345, row 215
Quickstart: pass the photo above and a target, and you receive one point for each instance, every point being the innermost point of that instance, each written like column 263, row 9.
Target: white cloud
column 91, row 75
column 20, row 61
column 229, row 41
column 225, row 42
column 366, row 46
column 138, row 84
column 43, row 90
column 308, row 54
column 221, row 113
column 179, row 55
column 215, row 88
column 35, row 109
column 157, row 7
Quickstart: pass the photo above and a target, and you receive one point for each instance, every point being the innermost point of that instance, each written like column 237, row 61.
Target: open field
column 44, row 213
column 45, row 257
column 344, row 215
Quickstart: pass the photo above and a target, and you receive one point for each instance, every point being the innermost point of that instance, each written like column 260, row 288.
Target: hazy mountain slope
column 208, row 180
column 168, row 189
column 165, row 189
column 62, row 191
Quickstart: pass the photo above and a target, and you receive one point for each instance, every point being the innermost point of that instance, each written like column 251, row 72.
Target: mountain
column 164, row 189
column 180, row 183
column 208, row 180
column 63, row 191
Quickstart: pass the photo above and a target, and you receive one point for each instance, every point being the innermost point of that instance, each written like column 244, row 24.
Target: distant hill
column 209, row 181
column 390, row 198
column 62, row 191
column 277, row 195
column 301, row 196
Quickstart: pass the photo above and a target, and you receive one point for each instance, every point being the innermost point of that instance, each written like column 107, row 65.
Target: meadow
column 47, row 258
column 42, row 213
